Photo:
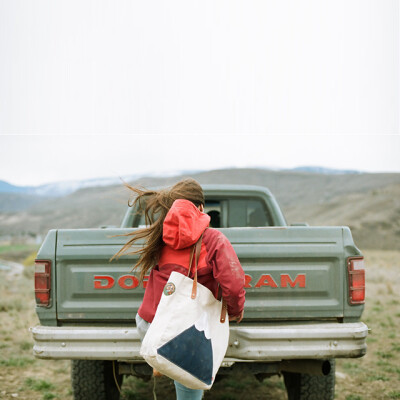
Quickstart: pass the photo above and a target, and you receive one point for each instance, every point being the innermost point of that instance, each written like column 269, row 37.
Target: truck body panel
column 291, row 273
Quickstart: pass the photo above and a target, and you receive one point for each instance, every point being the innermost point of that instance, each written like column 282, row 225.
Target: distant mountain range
column 59, row 189
column 369, row 203
column 323, row 170
column 6, row 187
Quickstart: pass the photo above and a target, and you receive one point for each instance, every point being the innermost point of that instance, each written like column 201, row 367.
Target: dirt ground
column 375, row 376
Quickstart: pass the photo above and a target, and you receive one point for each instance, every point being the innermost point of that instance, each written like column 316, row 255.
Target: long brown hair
column 156, row 205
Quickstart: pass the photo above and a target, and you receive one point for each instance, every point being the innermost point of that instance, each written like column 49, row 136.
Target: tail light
column 42, row 282
column 356, row 271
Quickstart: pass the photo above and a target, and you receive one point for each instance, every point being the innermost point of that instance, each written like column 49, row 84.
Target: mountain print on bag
column 191, row 350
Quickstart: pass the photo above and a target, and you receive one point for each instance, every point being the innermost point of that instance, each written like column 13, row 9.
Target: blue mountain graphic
column 192, row 352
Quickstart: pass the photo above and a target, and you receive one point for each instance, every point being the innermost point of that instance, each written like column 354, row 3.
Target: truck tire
column 94, row 380
column 310, row 387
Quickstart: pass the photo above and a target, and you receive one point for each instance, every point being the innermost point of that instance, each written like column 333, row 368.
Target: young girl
column 174, row 222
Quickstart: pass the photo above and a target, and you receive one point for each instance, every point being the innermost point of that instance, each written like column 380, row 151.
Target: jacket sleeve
column 227, row 271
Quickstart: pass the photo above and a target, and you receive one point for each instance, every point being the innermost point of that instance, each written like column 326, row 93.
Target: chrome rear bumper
column 246, row 342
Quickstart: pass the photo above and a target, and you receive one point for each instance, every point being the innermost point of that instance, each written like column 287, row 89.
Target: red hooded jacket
column 218, row 263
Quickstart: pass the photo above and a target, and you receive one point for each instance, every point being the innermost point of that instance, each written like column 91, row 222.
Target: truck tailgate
column 291, row 273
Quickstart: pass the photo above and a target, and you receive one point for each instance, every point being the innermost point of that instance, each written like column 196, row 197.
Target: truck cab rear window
column 246, row 212
column 229, row 213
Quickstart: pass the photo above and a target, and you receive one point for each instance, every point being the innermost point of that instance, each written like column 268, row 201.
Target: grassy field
column 375, row 376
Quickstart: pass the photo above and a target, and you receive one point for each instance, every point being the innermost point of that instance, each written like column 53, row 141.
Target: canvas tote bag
column 188, row 337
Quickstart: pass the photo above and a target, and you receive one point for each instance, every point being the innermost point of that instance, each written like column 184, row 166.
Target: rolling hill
column 368, row 203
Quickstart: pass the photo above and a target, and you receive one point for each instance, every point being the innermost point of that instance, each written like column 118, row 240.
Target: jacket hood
column 184, row 224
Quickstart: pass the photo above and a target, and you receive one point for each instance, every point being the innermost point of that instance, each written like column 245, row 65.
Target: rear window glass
column 229, row 213
column 214, row 209
column 247, row 212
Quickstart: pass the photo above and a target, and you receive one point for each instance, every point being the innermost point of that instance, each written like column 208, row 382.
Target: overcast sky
column 105, row 88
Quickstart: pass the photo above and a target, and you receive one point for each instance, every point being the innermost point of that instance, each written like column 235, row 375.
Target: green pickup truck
column 305, row 290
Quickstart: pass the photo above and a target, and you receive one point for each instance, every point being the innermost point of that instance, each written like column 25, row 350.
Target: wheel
column 310, row 387
column 94, row 380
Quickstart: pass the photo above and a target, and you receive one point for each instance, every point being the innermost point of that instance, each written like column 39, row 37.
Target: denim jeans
column 182, row 392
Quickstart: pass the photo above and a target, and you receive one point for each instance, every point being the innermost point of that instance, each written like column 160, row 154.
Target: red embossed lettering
column 266, row 280
column 128, row 282
column 287, row 280
column 103, row 282
column 247, row 280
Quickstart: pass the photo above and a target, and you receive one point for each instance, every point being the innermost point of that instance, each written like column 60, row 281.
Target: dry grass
column 375, row 376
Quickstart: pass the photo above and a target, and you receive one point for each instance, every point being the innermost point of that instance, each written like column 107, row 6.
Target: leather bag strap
column 191, row 259
column 196, row 253
column 223, row 311
column 197, row 249
column 224, row 305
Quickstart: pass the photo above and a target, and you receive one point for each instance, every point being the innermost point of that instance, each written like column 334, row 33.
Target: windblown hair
column 156, row 204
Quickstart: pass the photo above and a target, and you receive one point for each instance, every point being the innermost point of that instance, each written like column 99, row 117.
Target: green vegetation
column 236, row 384
column 378, row 378
column 228, row 396
column 390, row 321
column 391, row 369
column 382, row 354
column 48, row 396
column 17, row 362
column 14, row 248
column 7, row 305
column 26, row 345
column 38, row 384
column 351, row 367
column 396, row 347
